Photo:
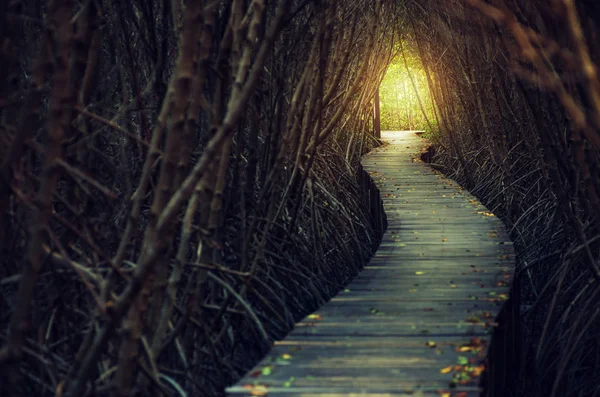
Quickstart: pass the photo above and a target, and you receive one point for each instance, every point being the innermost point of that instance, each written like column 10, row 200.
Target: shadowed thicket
column 518, row 100
column 179, row 182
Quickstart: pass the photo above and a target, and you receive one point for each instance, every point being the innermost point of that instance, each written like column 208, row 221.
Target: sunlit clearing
column 400, row 93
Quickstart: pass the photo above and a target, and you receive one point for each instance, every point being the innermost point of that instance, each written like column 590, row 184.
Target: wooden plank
column 351, row 391
column 418, row 319
column 343, row 328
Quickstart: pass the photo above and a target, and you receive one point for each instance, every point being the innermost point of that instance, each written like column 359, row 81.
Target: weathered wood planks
column 417, row 321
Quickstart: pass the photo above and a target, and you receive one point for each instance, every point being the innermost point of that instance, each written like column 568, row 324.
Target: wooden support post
column 376, row 116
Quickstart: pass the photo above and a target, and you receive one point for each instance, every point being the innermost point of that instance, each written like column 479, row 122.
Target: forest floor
column 418, row 319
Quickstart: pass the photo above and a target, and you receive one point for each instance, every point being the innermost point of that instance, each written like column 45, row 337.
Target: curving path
column 418, row 319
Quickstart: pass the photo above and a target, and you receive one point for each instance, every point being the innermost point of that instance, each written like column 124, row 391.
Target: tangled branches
column 517, row 94
column 179, row 181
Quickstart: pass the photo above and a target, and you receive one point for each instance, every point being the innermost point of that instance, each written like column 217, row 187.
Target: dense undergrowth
column 517, row 98
column 179, row 182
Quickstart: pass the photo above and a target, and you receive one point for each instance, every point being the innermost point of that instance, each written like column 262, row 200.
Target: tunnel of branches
column 180, row 180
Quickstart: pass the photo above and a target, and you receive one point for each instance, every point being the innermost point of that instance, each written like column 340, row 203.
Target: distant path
column 418, row 319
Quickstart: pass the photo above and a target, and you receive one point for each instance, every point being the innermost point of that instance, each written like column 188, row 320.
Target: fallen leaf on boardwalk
column 315, row 316
column 473, row 319
column 485, row 213
column 462, row 360
column 431, row 344
column 259, row 391
column 446, row 370
column 444, row 240
column 266, row 371
column 286, row 356
column 256, row 390
column 419, row 273
column 289, row 382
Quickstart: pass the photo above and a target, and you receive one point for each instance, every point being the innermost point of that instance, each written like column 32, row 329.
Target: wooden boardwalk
column 418, row 319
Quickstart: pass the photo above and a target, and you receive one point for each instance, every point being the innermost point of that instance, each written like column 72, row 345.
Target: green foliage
column 400, row 109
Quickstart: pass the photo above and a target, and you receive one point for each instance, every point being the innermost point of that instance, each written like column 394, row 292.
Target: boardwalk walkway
column 417, row 320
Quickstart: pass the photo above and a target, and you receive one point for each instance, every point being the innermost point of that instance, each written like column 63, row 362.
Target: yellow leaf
column 478, row 370
column 485, row 213
column 419, row 273
column 446, row 370
column 259, row 390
